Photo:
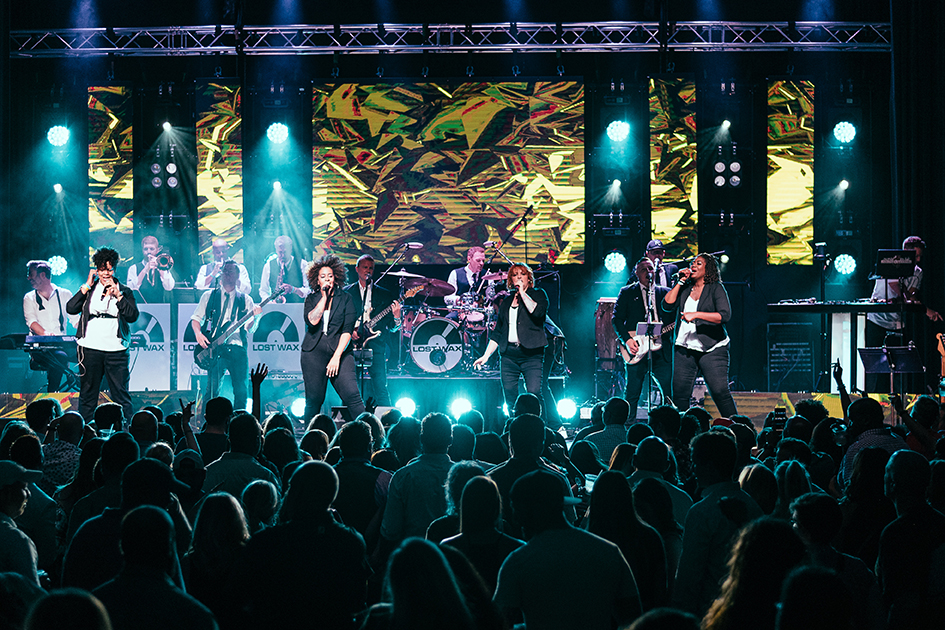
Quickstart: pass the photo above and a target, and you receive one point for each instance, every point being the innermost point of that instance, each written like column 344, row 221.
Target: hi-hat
column 499, row 275
column 404, row 274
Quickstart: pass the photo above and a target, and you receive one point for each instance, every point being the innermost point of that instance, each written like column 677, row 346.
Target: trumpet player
column 152, row 276
column 282, row 269
column 209, row 275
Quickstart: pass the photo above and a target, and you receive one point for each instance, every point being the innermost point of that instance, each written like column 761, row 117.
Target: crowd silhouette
column 681, row 521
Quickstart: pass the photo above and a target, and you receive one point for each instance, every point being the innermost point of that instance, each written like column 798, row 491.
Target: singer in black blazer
column 524, row 357
column 326, row 354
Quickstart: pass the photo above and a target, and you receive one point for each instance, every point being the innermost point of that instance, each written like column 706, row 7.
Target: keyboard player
column 44, row 309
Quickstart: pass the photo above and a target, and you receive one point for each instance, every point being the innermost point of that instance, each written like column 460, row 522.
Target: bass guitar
column 206, row 358
column 366, row 331
column 645, row 344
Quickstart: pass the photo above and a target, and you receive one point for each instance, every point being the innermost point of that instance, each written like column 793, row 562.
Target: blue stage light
column 407, row 406
column 277, row 133
column 845, row 264
column 567, row 408
column 844, row 132
column 618, row 130
column 57, row 135
column 615, row 262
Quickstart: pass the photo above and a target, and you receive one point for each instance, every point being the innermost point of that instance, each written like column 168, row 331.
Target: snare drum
column 436, row 345
column 413, row 316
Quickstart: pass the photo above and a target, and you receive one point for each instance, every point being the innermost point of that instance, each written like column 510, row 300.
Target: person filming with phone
column 105, row 308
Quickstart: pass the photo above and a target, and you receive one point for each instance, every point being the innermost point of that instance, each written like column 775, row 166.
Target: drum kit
column 441, row 339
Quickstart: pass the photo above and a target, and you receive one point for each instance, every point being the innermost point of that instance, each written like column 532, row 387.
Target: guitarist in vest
column 370, row 300
column 282, row 269
column 631, row 309
column 217, row 310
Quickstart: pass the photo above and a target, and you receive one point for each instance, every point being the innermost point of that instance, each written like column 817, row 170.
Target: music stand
column 891, row 360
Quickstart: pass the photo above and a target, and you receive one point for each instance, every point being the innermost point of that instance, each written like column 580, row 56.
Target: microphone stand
column 400, row 342
column 520, row 223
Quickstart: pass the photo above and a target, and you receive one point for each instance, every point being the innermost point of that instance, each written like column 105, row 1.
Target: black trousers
column 231, row 358
column 714, row 368
column 637, row 375
column 54, row 363
column 516, row 361
column 314, row 375
column 113, row 366
column 378, row 371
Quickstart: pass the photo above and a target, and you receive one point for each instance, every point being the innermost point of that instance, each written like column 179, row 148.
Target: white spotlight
column 459, row 407
column 407, row 406
column 167, row 126
column 844, row 184
column 726, row 124
column 57, row 188
column 277, row 185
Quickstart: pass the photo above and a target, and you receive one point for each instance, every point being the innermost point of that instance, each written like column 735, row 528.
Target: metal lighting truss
column 580, row 37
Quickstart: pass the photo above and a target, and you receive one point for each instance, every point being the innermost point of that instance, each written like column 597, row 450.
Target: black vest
column 211, row 320
column 292, row 276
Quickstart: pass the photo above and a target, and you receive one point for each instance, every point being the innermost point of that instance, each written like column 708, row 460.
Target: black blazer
column 671, row 270
column 631, row 309
column 381, row 298
column 127, row 311
column 714, row 299
column 341, row 320
column 531, row 326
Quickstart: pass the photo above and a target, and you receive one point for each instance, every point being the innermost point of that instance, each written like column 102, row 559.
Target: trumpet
column 164, row 261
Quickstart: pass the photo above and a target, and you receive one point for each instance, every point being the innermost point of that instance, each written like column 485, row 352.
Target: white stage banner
column 151, row 363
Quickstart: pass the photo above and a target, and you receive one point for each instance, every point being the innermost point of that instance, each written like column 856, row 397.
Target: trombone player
column 152, row 276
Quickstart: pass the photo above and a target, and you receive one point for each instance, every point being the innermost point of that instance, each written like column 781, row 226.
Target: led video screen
column 111, row 172
column 790, row 172
column 449, row 166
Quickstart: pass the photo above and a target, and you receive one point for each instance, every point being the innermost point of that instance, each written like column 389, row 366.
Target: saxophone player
column 283, row 270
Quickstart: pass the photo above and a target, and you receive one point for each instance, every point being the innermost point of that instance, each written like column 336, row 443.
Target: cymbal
column 431, row 286
column 499, row 275
column 404, row 274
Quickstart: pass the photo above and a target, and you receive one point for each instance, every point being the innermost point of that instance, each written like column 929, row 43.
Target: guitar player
column 630, row 310
column 369, row 300
column 216, row 310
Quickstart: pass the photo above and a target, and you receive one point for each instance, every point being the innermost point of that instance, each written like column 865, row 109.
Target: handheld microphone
column 413, row 245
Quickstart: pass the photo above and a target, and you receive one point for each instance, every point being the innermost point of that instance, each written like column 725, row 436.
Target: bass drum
column 436, row 345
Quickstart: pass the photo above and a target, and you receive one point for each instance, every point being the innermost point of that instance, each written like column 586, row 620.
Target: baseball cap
column 654, row 244
column 11, row 473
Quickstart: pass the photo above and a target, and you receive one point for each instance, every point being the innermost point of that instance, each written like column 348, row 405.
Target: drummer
column 466, row 279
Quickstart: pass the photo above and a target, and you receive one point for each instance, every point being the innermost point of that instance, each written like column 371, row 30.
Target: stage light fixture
column 171, row 168
column 844, row 184
column 615, row 261
column 57, row 188
column 277, row 185
column 407, row 406
column 845, row 264
column 726, row 124
column 58, row 265
column 156, row 182
column 277, row 133
column 172, row 182
column 719, row 167
column 155, row 168
column 719, row 180
column 618, row 130
column 297, row 408
column 844, row 132
column 460, row 406
column 735, row 166
column 615, row 184
column 57, row 135
column 167, row 126
column 567, row 408
column 735, row 181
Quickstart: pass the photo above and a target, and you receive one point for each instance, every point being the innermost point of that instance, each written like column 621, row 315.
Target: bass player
column 369, row 301
column 217, row 310
column 640, row 303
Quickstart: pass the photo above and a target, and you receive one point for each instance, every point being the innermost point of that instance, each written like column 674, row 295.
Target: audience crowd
column 682, row 521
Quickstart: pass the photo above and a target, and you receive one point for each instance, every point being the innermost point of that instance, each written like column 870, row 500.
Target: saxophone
column 281, row 298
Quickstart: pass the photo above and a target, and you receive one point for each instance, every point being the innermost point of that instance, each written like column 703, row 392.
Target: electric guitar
column 206, row 358
column 645, row 344
column 941, row 350
column 366, row 331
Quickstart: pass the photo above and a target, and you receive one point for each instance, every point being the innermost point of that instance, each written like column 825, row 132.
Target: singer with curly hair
column 702, row 308
column 326, row 353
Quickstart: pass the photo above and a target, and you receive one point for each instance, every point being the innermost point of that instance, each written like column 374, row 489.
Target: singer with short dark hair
column 105, row 308
column 326, row 352
column 702, row 308
column 519, row 334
